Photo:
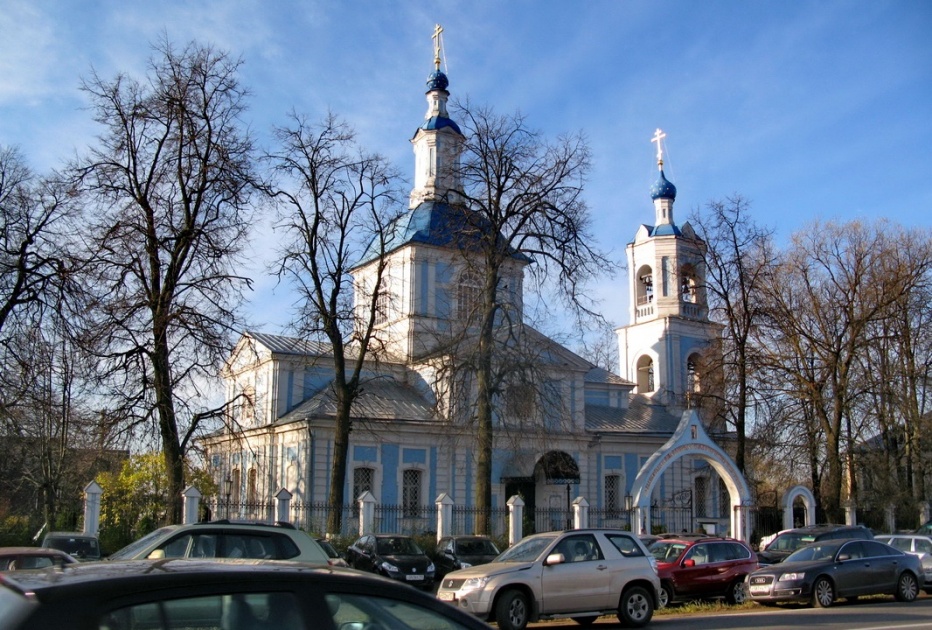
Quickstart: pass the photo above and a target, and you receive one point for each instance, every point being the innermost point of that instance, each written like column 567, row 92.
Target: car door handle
column 601, row 567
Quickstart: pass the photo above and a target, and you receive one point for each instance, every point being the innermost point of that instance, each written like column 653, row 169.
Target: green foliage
column 18, row 531
column 135, row 501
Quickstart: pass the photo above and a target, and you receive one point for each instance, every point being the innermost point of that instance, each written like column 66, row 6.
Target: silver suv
column 581, row 574
column 225, row 539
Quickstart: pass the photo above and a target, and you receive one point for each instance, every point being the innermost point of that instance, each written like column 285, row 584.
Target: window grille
column 362, row 482
column 411, row 493
column 612, row 503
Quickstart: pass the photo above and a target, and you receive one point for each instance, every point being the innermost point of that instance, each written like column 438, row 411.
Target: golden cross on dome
column 658, row 136
column 436, row 37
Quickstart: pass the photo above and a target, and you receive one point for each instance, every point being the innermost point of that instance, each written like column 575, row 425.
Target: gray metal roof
column 280, row 344
column 641, row 416
column 381, row 398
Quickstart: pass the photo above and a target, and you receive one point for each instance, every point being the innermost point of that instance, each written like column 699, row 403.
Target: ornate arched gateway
column 691, row 439
column 808, row 500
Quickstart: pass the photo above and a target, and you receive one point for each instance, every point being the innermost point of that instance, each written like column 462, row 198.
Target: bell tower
column 666, row 346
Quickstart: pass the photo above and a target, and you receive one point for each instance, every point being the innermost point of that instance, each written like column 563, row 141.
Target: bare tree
column 34, row 215
column 831, row 288
column 171, row 182
column 739, row 261
column 522, row 197
column 335, row 207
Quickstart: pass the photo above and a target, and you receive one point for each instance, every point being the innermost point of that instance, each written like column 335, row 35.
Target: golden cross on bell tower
column 658, row 136
column 436, row 37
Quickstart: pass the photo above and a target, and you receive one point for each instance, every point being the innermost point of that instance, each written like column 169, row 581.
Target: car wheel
column 584, row 621
column 666, row 595
column 823, row 593
column 636, row 607
column 737, row 593
column 907, row 588
column 511, row 611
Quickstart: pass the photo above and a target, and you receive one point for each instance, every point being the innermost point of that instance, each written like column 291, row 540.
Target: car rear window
column 626, row 545
column 77, row 546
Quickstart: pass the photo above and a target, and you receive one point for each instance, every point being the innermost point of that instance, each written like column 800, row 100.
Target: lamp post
column 227, row 487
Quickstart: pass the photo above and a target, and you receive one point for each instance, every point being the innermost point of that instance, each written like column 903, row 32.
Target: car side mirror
column 843, row 556
column 554, row 558
column 158, row 554
column 689, row 563
column 448, row 552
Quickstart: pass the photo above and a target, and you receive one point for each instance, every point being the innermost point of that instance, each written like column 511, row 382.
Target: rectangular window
column 411, row 493
column 362, row 482
column 702, row 493
column 612, row 504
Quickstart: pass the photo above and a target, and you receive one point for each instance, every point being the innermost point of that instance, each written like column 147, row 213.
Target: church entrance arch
column 547, row 491
column 691, row 440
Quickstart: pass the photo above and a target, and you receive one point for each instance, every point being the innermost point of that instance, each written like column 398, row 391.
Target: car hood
column 789, row 567
column 476, row 559
column 489, row 570
column 409, row 562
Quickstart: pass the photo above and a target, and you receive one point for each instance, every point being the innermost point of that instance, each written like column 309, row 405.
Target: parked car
column 790, row 540
column 461, row 552
column 916, row 544
column 84, row 547
column 334, row 558
column 191, row 593
column 19, row 558
column 225, row 539
column 394, row 556
column 694, row 568
column 581, row 574
column 825, row 571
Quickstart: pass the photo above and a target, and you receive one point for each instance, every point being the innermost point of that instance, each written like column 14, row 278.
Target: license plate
column 445, row 596
column 414, row 578
column 759, row 588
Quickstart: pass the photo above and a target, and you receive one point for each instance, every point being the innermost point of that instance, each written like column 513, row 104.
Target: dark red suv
column 694, row 568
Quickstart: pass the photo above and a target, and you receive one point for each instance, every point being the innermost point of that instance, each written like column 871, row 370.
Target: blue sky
column 812, row 110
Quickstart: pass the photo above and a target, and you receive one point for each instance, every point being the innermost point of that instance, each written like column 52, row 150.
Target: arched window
column 468, row 295
column 645, row 285
column 236, row 485
column 688, row 284
column 252, row 487
column 645, row 374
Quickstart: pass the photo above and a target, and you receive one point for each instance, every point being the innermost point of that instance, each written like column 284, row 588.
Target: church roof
column 642, row 416
column 436, row 223
column 279, row 344
column 382, row 398
column 666, row 229
column 600, row 375
column 662, row 188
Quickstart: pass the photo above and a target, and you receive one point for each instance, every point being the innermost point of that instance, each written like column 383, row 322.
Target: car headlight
column 431, row 568
column 475, row 584
column 792, row 577
column 391, row 568
column 464, row 565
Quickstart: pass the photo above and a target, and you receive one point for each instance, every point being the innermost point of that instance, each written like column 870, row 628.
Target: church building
column 630, row 444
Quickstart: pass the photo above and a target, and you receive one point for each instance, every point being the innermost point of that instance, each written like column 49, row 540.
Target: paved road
column 864, row 615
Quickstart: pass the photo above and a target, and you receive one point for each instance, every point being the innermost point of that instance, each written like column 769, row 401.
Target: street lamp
column 227, row 487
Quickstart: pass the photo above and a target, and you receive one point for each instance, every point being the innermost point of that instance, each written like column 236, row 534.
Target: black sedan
column 461, row 552
column 823, row 572
column 394, row 556
column 183, row 593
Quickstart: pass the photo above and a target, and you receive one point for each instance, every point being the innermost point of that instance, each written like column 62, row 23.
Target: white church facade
column 626, row 442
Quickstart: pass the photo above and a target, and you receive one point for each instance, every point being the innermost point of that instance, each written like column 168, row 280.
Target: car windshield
column 131, row 550
column 526, row 550
column 398, row 546
column 665, row 551
column 476, row 547
column 790, row 541
column 77, row 546
column 813, row 552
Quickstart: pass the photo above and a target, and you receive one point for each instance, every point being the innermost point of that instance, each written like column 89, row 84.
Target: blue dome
column 662, row 189
column 437, row 81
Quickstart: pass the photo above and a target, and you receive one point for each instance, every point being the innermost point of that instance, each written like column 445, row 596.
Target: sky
column 811, row 110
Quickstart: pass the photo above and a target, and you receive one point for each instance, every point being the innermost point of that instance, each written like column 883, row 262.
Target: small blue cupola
column 663, row 188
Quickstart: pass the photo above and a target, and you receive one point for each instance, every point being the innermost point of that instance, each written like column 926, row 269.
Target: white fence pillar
column 444, row 515
column 283, row 506
column 851, row 513
column 515, row 519
column 580, row 513
column 92, row 492
column 192, row 502
column 366, row 513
